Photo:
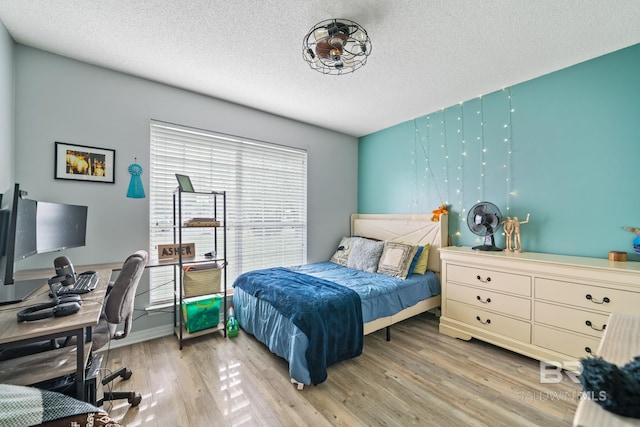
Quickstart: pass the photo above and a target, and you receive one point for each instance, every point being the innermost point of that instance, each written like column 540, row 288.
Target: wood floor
column 420, row 378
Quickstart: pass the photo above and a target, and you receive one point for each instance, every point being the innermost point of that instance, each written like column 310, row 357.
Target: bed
column 317, row 314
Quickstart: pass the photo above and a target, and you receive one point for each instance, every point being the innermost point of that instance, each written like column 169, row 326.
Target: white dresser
column 620, row 344
column 548, row 307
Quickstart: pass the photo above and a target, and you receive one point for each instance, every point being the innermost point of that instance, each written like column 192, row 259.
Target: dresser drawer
column 490, row 300
column 490, row 279
column 574, row 345
column 587, row 296
column 486, row 320
column 586, row 322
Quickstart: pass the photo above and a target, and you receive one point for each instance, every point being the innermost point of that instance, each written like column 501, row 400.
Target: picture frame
column 84, row 163
column 184, row 182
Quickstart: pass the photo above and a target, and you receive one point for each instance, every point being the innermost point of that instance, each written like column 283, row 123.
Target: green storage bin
column 202, row 312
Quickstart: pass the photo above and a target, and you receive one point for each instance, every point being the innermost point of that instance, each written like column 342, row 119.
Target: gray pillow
column 365, row 254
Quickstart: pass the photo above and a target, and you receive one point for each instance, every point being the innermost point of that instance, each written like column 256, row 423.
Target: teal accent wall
column 564, row 148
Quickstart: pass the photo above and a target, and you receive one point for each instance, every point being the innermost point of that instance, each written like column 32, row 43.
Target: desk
column 39, row 367
column 619, row 345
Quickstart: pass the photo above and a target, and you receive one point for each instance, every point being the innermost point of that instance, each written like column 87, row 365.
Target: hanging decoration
column 136, row 190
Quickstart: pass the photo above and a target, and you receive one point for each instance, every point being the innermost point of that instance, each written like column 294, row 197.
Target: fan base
column 486, row 248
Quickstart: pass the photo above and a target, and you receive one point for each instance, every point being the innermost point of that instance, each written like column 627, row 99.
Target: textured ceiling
column 426, row 55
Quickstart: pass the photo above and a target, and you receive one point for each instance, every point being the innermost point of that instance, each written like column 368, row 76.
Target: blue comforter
column 330, row 315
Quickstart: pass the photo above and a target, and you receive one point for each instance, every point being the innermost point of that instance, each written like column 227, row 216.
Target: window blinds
column 266, row 187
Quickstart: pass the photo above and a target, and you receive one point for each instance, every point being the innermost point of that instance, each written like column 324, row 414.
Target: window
column 266, row 186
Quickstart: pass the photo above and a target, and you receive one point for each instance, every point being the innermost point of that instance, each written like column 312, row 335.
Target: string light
column 426, row 152
column 446, row 152
column 482, row 152
column 463, row 153
column 458, row 196
column 508, row 140
column 414, row 161
column 427, row 164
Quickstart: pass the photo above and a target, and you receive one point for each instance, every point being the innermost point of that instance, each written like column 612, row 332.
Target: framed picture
column 184, row 182
column 84, row 163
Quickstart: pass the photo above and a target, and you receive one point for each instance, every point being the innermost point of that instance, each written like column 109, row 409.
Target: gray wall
column 58, row 99
column 7, row 151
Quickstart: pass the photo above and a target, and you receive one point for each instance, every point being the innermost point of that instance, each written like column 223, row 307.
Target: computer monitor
column 17, row 231
column 60, row 226
column 25, row 243
column 28, row 227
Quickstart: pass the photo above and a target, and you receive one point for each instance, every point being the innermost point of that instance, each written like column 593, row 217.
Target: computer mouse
column 88, row 272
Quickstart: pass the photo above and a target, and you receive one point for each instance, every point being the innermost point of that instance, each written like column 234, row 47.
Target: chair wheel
column 135, row 400
column 126, row 374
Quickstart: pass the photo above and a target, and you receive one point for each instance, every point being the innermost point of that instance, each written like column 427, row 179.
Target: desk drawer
column 493, row 322
column 588, row 296
column 489, row 300
column 490, row 279
column 574, row 345
column 585, row 322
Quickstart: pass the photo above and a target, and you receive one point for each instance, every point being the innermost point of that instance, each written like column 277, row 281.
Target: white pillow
column 341, row 256
column 396, row 259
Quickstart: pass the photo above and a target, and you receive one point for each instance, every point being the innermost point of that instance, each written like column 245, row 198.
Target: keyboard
column 85, row 282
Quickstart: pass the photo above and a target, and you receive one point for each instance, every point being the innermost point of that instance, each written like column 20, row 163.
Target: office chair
column 118, row 309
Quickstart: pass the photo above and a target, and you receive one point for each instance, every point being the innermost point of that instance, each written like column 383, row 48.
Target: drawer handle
column 484, row 323
column 605, row 300
column 588, row 323
column 487, row 301
column 588, row 350
column 487, row 280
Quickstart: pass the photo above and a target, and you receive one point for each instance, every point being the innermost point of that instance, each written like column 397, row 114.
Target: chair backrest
column 119, row 305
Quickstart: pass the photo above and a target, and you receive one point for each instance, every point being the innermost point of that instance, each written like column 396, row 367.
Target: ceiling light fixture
column 336, row 46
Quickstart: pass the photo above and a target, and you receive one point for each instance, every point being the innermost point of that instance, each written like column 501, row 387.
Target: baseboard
column 140, row 336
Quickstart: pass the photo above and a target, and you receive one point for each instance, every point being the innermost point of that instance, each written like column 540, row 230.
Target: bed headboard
column 410, row 228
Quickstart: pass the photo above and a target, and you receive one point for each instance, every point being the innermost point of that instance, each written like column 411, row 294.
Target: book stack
column 202, row 222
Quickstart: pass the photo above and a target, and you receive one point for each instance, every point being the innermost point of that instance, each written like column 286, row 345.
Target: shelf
column 202, row 225
column 201, row 193
column 201, row 259
column 190, row 335
column 184, row 210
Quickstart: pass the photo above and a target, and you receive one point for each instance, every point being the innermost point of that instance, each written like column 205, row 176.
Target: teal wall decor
column 136, row 189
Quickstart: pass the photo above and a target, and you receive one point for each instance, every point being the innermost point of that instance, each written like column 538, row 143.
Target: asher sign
column 173, row 251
